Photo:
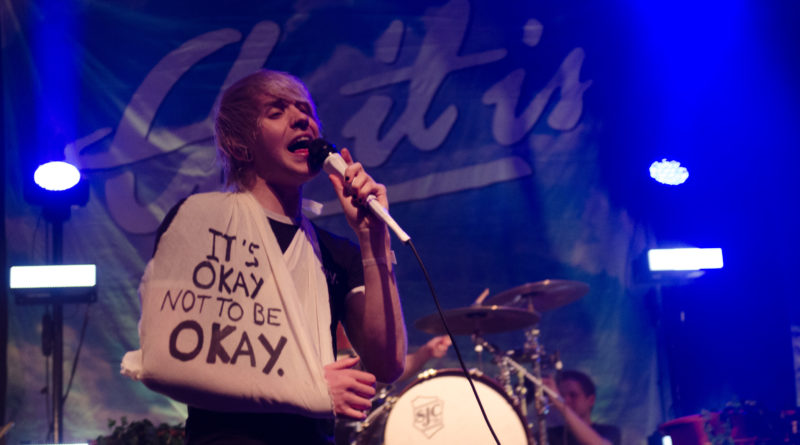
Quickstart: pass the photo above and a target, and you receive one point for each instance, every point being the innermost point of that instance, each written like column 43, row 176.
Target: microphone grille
column 318, row 151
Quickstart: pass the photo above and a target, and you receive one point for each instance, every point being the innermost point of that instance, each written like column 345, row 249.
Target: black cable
column 453, row 340
column 46, row 391
column 77, row 354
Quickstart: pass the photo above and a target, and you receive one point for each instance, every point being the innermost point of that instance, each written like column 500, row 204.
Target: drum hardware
column 479, row 352
column 550, row 362
column 539, row 296
column 540, row 401
column 504, row 377
column 433, row 410
column 478, row 320
column 509, row 310
column 521, row 369
column 371, row 417
column 542, row 296
column 426, row 373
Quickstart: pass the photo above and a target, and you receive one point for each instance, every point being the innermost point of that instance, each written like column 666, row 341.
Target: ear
column 591, row 399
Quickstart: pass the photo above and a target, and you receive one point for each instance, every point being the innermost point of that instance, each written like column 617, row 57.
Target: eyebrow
column 278, row 103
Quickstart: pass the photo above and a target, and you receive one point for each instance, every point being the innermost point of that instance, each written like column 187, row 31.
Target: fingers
column 439, row 345
column 347, row 157
column 357, row 183
column 353, row 190
column 443, row 340
column 353, row 406
column 443, row 344
column 344, row 363
column 363, row 390
column 351, row 389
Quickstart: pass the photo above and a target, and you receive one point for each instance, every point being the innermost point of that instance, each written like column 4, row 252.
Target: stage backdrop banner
column 486, row 124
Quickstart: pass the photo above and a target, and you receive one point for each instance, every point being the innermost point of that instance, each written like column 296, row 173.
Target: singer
column 261, row 369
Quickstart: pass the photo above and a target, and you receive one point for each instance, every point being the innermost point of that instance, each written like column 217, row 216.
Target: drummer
column 578, row 393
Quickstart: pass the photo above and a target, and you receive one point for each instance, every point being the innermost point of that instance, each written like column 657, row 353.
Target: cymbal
column 478, row 320
column 541, row 295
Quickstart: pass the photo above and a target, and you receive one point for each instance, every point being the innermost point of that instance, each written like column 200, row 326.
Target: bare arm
column 374, row 320
column 583, row 432
column 434, row 348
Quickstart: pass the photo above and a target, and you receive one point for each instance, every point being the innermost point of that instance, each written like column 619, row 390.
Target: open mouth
column 300, row 144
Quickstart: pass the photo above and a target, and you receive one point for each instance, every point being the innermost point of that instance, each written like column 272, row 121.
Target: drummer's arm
column 583, row 432
column 434, row 348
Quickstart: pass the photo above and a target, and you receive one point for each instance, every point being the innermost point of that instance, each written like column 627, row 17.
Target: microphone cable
column 452, row 339
column 324, row 155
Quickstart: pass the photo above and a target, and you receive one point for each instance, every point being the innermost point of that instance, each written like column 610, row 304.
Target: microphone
column 323, row 154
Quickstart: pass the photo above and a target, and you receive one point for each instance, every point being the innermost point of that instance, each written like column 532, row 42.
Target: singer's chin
column 314, row 168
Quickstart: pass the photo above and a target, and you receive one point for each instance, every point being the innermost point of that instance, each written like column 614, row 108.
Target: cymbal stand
column 522, row 392
column 478, row 350
column 505, row 361
column 505, row 380
column 536, row 381
column 539, row 401
column 521, row 369
column 504, row 372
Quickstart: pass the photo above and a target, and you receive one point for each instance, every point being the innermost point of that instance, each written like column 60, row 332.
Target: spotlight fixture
column 53, row 284
column 668, row 172
column 56, row 176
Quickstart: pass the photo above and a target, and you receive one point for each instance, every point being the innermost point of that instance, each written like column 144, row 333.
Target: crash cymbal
column 541, row 295
column 478, row 320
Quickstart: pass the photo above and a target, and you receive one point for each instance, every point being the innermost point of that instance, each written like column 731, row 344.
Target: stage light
column 65, row 275
column 666, row 440
column 56, row 176
column 668, row 172
column 684, row 259
column 56, row 186
column 53, row 283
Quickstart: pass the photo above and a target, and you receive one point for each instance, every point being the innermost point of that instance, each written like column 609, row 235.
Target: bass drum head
column 441, row 409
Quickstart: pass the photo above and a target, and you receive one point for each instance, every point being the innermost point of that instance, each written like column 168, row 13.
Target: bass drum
column 440, row 408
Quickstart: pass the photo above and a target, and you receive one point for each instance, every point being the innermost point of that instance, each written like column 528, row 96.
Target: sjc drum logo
column 428, row 415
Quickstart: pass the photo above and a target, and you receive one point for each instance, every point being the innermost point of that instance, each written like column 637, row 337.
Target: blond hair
column 236, row 123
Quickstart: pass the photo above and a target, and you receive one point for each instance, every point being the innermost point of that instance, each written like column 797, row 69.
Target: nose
column 300, row 120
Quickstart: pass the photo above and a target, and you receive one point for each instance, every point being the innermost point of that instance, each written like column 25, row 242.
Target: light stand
column 56, row 209
column 55, row 285
column 57, row 222
column 673, row 267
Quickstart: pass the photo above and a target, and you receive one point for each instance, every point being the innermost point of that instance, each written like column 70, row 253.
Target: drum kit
column 439, row 407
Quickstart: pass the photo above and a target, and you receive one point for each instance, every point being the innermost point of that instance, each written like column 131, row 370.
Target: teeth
column 301, row 142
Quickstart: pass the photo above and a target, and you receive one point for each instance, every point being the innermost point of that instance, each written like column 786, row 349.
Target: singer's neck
column 284, row 200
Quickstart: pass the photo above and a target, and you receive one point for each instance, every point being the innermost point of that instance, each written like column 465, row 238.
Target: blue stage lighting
column 668, row 172
column 56, row 176
column 56, row 186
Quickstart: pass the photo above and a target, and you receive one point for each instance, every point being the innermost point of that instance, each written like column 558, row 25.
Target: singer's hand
column 353, row 192
column 350, row 388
